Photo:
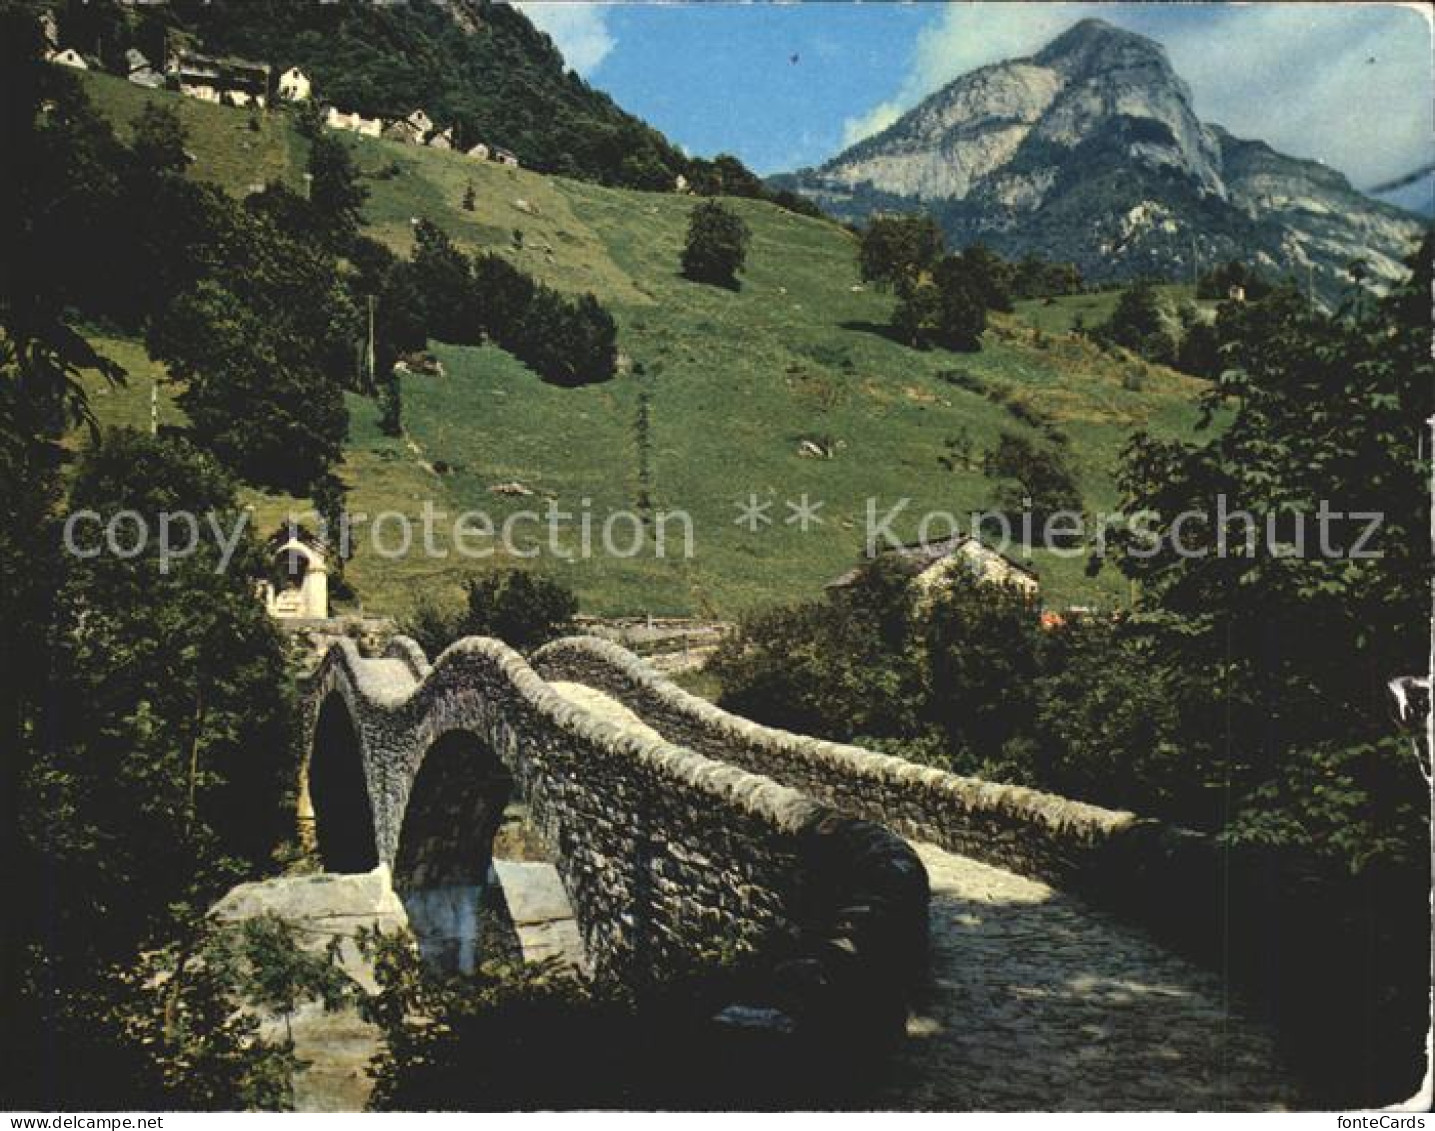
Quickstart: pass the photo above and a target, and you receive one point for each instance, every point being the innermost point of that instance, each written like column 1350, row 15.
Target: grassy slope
column 734, row 381
column 1059, row 316
column 227, row 150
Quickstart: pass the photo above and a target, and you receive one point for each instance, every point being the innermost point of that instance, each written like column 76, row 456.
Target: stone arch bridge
column 992, row 922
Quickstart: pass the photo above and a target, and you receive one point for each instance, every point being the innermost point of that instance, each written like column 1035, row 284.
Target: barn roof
column 921, row 555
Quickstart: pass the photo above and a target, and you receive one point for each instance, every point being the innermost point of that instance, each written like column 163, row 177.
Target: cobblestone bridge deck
column 1037, row 1000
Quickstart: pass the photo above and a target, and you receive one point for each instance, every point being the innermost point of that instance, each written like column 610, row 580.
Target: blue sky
column 1350, row 85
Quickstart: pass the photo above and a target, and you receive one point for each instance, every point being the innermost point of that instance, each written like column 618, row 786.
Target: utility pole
column 153, row 407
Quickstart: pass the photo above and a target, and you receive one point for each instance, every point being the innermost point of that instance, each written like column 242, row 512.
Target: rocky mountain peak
column 1090, row 150
column 1093, row 46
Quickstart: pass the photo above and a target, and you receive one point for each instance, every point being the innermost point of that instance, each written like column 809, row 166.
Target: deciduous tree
column 717, row 244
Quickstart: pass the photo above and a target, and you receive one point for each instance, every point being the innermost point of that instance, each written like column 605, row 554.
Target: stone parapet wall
column 1112, row 855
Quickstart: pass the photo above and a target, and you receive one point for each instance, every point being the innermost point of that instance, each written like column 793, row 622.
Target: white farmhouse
column 294, row 86
column 298, row 586
column 140, row 71
column 354, row 123
column 411, row 130
column 69, row 57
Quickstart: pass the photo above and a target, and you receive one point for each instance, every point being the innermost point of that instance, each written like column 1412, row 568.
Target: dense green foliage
column 755, row 368
column 716, row 246
column 1141, row 323
column 941, row 678
column 1151, row 325
column 1327, row 413
column 1290, row 650
column 1032, row 476
column 725, row 175
column 991, row 277
column 1221, row 280
column 391, row 405
column 477, row 66
column 250, row 397
column 521, row 608
column 525, row 1036
column 445, row 294
column 896, row 251
column 944, row 299
column 159, row 140
column 525, row 609
column 509, row 1037
column 964, row 296
column 147, row 748
column 174, row 662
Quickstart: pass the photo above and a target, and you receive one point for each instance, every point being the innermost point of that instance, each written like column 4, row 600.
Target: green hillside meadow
column 730, row 384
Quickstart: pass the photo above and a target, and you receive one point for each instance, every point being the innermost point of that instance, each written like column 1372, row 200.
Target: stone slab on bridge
column 336, row 1047
column 542, row 916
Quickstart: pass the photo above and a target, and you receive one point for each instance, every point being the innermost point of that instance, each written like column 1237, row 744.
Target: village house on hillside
column 227, row 82
column 298, row 585
column 140, row 71
column 485, row 152
column 294, row 86
column 411, row 130
column 441, row 140
column 935, row 563
column 355, row 123
column 50, row 33
column 69, row 57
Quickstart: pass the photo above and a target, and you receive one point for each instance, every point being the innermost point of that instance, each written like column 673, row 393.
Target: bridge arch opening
column 339, row 793
column 446, row 846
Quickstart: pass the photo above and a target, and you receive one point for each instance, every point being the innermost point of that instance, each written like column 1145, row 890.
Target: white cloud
column 972, row 35
column 579, row 29
column 1347, row 85
column 874, row 121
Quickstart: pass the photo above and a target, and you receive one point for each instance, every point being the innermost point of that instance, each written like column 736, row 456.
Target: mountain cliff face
column 1090, row 151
